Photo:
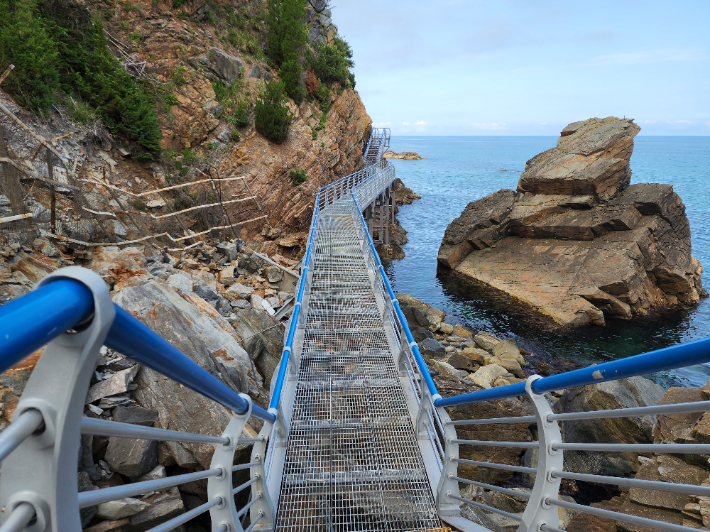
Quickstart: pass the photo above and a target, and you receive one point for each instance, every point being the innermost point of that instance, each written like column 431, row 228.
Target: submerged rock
column 576, row 244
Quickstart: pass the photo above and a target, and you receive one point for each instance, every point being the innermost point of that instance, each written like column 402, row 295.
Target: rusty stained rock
column 576, row 244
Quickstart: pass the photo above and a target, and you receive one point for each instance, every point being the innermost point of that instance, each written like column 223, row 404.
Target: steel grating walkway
column 352, row 461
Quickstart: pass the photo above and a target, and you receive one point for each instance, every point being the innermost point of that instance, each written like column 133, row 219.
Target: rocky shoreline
column 463, row 361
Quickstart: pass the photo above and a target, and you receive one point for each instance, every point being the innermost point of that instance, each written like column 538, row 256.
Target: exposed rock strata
column 575, row 243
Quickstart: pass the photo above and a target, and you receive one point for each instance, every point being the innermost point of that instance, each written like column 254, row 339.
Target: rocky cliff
column 201, row 65
column 576, row 243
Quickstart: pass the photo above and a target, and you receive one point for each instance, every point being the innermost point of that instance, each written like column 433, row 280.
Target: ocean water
column 458, row 170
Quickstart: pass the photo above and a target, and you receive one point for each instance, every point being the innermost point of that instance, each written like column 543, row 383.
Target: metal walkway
column 353, row 461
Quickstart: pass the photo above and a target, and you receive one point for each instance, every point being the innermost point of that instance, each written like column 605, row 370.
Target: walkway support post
column 445, row 505
column 42, row 471
column 225, row 513
column 547, row 486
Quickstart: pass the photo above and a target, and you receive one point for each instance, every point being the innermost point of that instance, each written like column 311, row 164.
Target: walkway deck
column 353, row 461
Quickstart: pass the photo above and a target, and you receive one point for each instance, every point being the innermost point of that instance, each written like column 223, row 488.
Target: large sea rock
column 576, row 243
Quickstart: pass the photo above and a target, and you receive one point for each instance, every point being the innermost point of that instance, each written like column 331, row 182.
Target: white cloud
column 382, row 124
column 421, row 123
column 406, row 123
column 682, row 122
column 658, row 55
column 495, row 126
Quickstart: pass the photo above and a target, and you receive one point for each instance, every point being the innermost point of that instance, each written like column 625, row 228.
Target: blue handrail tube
column 410, row 339
column 288, row 346
column 676, row 356
column 35, row 319
column 136, row 340
column 31, row 321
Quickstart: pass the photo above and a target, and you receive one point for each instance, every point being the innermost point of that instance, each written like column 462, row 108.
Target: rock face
column 576, row 243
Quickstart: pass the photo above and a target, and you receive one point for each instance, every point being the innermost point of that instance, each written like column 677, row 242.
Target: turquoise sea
column 458, row 170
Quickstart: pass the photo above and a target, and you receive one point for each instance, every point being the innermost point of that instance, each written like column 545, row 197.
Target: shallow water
column 458, row 170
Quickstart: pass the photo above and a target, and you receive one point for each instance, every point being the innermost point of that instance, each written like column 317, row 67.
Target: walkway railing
column 72, row 311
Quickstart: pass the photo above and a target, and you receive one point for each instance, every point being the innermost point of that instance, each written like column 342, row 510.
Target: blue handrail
column 395, row 303
column 288, row 345
column 35, row 319
column 676, row 356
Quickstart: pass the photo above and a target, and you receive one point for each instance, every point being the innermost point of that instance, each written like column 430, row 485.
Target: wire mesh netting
column 353, row 461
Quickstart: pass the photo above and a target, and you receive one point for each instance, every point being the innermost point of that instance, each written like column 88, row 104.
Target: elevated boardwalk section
column 353, row 461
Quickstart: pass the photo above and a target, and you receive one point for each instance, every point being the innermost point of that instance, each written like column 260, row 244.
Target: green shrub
column 26, row 43
column 241, row 114
column 314, row 134
column 236, row 137
column 298, row 176
column 286, row 41
column 331, row 62
column 290, row 74
column 271, row 116
column 170, row 99
column 139, row 205
column 58, row 45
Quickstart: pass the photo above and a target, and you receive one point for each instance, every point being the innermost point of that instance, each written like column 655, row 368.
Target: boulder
column 462, row 332
column 577, row 245
column 116, row 384
column 263, row 337
column 445, row 328
column 121, row 508
column 162, row 507
column 432, row 348
column 135, row 415
column 594, row 159
column 433, row 316
column 225, row 66
column 632, row 392
column 196, row 329
column 132, row 458
column 462, row 362
column 447, row 370
column 667, row 468
column 486, row 341
column 238, row 291
column 477, row 356
column 487, row 375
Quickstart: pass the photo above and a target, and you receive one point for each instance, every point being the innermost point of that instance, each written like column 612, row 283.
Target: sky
column 529, row 67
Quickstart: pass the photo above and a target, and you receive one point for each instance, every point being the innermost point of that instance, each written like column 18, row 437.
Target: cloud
column 657, row 55
column 681, row 122
column 495, row 126
column 382, row 124
column 420, row 123
column 406, row 123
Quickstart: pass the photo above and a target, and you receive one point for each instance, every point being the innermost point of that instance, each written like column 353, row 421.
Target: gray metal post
column 538, row 512
column 260, row 490
column 225, row 513
column 42, row 472
column 445, row 505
